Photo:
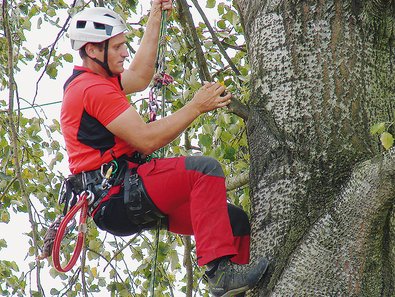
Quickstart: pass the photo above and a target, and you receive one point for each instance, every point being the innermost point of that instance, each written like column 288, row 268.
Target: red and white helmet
column 94, row 24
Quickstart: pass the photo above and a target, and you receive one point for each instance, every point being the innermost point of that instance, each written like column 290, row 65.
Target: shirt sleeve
column 105, row 102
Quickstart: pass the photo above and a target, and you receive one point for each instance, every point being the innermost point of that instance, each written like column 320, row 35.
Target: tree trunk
column 322, row 194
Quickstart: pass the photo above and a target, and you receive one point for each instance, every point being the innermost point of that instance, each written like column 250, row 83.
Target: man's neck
column 94, row 67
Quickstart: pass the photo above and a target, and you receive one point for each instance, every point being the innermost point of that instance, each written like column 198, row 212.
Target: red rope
column 82, row 205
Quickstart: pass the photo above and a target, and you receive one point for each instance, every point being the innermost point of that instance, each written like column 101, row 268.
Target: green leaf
column 377, row 128
column 205, row 140
column 229, row 153
column 68, row 58
column 3, row 243
column 387, row 140
column 54, row 292
column 221, row 24
column 210, row 4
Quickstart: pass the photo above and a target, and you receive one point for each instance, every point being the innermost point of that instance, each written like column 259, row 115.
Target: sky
column 49, row 91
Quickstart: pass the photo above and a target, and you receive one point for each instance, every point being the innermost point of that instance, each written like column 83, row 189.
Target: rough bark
column 322, row 195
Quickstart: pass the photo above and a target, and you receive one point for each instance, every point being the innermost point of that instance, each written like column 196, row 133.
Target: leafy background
column 35, row 60
column 204, row 42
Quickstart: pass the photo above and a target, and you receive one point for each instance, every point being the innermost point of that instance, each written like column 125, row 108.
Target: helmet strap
column 104, row 63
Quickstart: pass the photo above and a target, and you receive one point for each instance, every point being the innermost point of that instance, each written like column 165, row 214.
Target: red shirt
column 90, row 103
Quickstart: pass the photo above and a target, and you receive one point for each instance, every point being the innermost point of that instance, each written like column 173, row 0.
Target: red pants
column 191, row 192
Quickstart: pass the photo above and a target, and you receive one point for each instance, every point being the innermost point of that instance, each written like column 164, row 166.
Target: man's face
column 117, row 53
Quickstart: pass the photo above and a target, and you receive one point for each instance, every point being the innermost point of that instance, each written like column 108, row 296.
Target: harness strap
column 139, row 206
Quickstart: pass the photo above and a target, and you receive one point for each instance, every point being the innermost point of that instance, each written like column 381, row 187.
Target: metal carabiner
column 90, row 196
column 153, row 104
column 62, row 192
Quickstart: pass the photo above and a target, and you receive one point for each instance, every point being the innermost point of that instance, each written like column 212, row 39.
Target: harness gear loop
column 85, row 198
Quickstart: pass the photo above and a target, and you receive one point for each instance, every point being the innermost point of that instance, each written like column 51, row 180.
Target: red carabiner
column 82, row 205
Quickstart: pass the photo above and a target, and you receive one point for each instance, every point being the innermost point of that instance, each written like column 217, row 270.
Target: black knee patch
column 205, row 165
column 239, row 221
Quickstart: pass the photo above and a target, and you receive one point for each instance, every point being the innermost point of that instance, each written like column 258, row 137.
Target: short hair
column 82, row 50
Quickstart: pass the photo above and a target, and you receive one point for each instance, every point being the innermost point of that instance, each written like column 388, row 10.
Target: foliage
column 382, row 130
column 114, row 264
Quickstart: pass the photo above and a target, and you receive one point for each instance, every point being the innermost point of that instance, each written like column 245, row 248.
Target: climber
column 107, row 141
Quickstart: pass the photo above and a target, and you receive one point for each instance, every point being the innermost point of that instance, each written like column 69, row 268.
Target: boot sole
column 235, row 291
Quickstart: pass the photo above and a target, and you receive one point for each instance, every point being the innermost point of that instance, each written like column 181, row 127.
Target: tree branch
column 215, row 38
column 342, row 240
column 62, row 30
column 237, row 181
column 239, row 108
column 14, row 137
column 187, row 21
column 188, row 265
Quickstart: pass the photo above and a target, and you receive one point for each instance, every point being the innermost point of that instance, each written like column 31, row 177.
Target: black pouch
column 131, row 210
column 112, row 217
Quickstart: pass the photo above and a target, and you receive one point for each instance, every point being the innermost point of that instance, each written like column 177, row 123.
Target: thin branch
column 116, row 253
column 58, row 36
column 241, row 48
column 83, row 279
column 237, row 181
column 112, row 266
column 187, row 20
column 215, row 38
column 188, row 265
column 14, row 137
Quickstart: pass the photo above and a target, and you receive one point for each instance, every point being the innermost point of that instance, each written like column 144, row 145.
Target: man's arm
column 139, row 74
column 148, row 137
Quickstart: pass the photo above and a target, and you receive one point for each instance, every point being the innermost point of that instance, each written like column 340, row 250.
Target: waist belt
column 140, row 209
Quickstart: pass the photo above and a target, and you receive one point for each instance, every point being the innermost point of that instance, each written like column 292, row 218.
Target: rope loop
column 85, row 198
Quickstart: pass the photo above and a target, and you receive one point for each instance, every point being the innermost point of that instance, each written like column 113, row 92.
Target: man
column 102, row 130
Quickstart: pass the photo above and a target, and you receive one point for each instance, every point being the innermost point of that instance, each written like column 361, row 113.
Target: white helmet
column 94, row 24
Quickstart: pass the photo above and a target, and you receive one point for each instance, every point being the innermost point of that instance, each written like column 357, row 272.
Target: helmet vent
column 81, row 24
column 110, row 16
column 99, row 26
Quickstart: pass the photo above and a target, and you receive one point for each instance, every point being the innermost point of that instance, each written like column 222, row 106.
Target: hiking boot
column 233, row 280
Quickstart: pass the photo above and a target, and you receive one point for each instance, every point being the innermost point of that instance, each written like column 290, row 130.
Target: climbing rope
column 82, row 205
column 160, row 82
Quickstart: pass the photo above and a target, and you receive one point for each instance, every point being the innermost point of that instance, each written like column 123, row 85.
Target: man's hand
column 210, row 96
column 162, row 5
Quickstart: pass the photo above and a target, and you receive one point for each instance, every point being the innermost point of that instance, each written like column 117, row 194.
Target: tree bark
column 322, row 195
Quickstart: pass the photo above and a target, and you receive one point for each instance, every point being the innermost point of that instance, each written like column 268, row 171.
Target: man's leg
column 191, row 191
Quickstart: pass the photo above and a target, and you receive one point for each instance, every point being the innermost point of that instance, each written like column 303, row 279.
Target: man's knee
column 205, row 165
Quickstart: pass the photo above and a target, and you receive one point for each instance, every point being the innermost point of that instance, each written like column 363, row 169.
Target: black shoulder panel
column 72, row 77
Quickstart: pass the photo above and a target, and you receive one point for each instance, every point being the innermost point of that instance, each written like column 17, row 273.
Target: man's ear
column 91, row 50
